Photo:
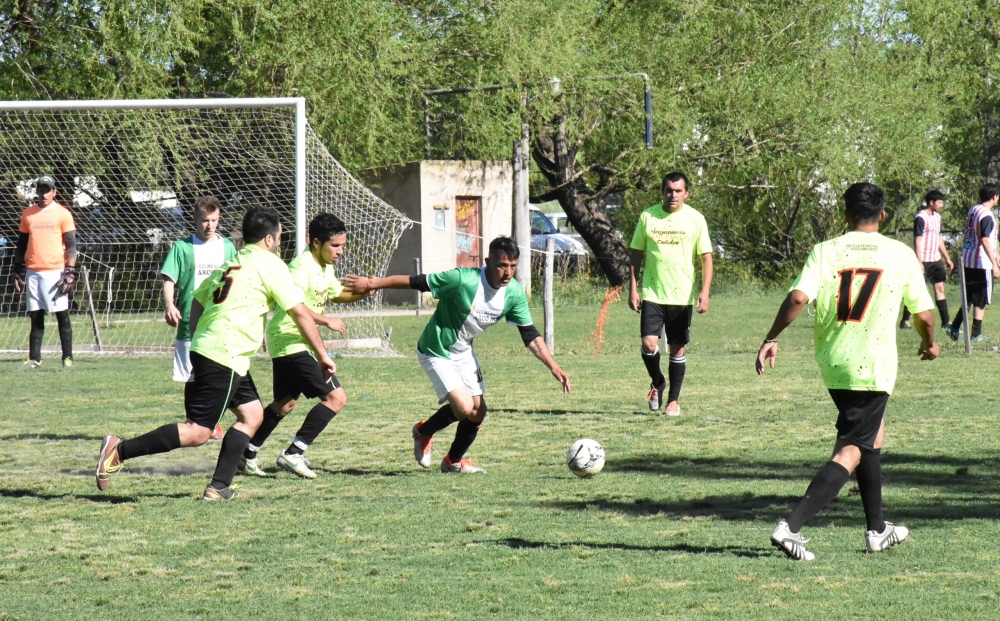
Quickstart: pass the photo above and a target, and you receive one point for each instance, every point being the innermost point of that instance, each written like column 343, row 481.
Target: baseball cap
column 45, row 180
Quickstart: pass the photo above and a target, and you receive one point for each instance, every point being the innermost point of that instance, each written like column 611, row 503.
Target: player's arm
column 334, row 323
column 67, row 283
column 635, row 260
column 360, row 285
column 172, row 314
column 69, row 242
column 19, row 271
column 196, row 310
column 707, row 271
column 943, row 249
column 536, row 344
column 346, row 297
column 992, row 254
column 790, row 308
column 303, row 318
column 923, row 324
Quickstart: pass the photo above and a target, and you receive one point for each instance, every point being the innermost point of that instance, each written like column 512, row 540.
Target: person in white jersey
column 470, row 301
column 189, row 262
column 979, row 261
column 932, row 253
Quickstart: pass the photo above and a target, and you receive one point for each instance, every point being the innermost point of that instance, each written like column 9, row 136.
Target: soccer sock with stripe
column 36, row 335
column 822, row 490
column 441, row 419
column 160, row 440
column 869, row 473
column 233, row 445
column 676, row 369
column 465, row 435
column 942, row 306
column 65, row 333
column 267, row 426
column 652, row 361
column 316, row 421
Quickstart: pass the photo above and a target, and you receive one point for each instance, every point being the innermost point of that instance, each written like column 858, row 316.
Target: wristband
column 766, row 341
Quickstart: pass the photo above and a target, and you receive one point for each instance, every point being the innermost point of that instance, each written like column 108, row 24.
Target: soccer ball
column 585, row 457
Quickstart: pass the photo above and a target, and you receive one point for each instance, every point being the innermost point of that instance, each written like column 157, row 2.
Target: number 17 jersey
column 858, row 281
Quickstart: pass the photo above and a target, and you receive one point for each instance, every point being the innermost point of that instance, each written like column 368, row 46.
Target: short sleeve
column 229, row 250
column 516, row 306
column 918, row 226
column 443, row 284
column 24, row 223
column 280, row 287
column 66, row 224
column 808, row 280
column 336, row 288
column 704, row 245
column 639, row 237
column 985, row 226
column 172, row 264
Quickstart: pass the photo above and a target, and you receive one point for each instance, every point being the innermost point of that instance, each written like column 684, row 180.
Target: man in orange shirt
column 45, row 264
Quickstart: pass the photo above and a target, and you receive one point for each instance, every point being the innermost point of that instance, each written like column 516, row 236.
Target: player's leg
column 678, row 329
column 286, row 391
column 904, row 323
column 651, row 322
column 245, row 404
column 452, row 395
column 469, row 406
column 183, row 373
column 938, row 276
column 980, row 300
column 37, row 304
column 65, row 337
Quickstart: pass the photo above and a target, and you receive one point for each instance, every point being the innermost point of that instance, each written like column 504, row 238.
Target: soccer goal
column 131, row 172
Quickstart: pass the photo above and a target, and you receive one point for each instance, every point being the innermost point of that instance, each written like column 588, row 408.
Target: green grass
column 675, row 527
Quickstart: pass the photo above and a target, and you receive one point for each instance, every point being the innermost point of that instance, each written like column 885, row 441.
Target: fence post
column 416, row 272
column 550, row 324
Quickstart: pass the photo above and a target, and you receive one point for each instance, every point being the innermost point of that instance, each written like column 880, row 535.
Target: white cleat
column 464, row 466
column 890, row 536
column 655, row 397
column 422, row 447
column 792, row 544
column 296, row 464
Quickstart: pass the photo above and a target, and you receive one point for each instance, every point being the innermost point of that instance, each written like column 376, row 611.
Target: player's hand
column 703, row 303
column 929, row 352
column 563, row 378
column 172, row 316
column 948, row 263
column 768, row 353
column 327, row 366
column 356, row 284
column 336, row 324
column 996, row 272
column 18, row 275
column 67, row 283
column 634, row 301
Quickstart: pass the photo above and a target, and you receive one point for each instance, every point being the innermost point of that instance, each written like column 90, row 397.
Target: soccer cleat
column 295, row 464
column 251, row 467
column 953, row 333
column 890, row 536
column 108, row 463
column 464, row 466
column 67, row 363
column 226, row 493
column 979, row 338
column 422, row 446
column 218, row 432
column 31, row 365
column 676, row 411
column 655, row 396
column 792, row 544
column 904, row 325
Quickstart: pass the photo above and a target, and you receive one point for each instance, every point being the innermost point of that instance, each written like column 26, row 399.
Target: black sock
column 906, row 315
column 316, row 421
column 956, row 323
column 977, row 327
column 36, row 335
column 65, row 334
column 676, row 370
column 869, row 473
column 267, row 427
column 233, row 445
column 441, row 419
column 160, row 440
column 822, row 490
column 652, row 362
column 943, row 309
column 465, row 435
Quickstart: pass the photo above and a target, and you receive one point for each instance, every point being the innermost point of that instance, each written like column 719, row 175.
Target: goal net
column 131, row 171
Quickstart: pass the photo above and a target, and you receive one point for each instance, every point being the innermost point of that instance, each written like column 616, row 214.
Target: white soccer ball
column 585, row 457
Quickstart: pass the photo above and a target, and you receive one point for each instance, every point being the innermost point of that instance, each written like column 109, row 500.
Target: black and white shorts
column 676, row 319
column 978, row 286
column 860, row 415
column 215, row 388
column 935, row 271
column 299, row 374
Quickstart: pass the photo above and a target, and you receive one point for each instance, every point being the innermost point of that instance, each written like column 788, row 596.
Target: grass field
column 675, row 527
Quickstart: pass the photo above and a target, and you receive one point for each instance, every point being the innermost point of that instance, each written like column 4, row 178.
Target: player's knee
column 649, row 344
column 336, row 400
column 283, row 408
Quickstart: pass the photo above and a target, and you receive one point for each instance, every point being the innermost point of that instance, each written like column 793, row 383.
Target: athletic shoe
column 953, row 333
column 422, row 446
column 890, row 536
column 108, row 463
column 218, row 432
column 67, row 363
column 295, row 464
column 655, row 396
column 465, row 466
column 675, row 412
column 979, row 338
column 226, row 493
column 904, row 325
column 251, row 467
column 792, row 544
column 31, row 365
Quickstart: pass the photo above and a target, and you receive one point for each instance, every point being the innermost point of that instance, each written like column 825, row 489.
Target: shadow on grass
column 740, row 551
column 49, row 436
column 354, row 472
column 113, row 500
column 548, row 412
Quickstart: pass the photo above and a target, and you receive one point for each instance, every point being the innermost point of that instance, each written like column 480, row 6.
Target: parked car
column 542, row 230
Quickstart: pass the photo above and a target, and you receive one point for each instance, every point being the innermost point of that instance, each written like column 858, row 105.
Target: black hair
column 933, row 195
column 864, row 202
column 988, row 191
column 324, row 226
column 258, row 223
column 504, row 246
column 674, row 177
column 208, row 204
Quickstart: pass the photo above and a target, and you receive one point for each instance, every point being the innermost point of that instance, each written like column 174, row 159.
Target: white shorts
column 43, row 294
column 182, row 362
column 449, row 374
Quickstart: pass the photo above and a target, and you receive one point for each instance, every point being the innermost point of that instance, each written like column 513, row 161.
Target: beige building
column 459, row 206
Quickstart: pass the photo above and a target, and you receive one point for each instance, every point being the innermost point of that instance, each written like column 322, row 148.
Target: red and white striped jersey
column 980, row 222
column 927, row 226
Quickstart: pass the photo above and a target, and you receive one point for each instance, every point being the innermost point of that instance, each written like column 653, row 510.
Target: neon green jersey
column 319, row 285
column 237, row 298
column 672, row 241
column 858, row 281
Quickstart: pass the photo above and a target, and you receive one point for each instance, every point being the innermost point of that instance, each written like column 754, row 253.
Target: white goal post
column 131, row 171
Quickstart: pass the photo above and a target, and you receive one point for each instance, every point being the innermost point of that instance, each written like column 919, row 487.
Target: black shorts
column 299, row 374
column 935, row 272
column 215, row 387
column 978, row 286
column 860, row 416
column 655, row 317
